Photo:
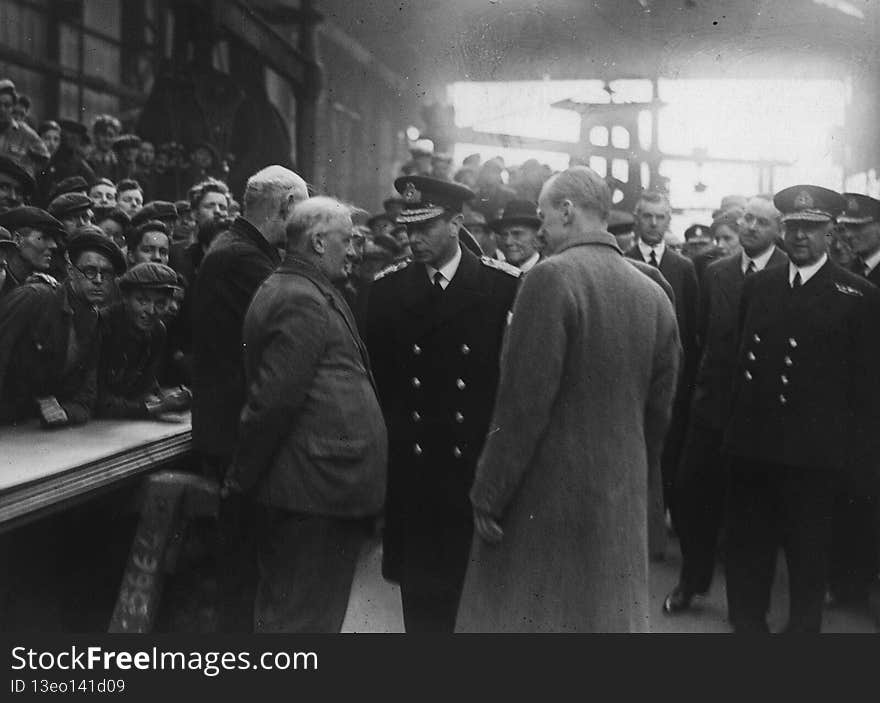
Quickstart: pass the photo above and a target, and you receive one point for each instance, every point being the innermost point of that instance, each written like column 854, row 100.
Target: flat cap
column 809, row 203
column 111, row 212
column 161, row 210
column 18, row 172
column 7, row 86
column 33, row 217
column 620, row 222
column 126, row 141
column 71, row 184
column 426, row 198
column 150, row 275
column 517, row 212
column 69, row 203
column 74, row 126
column 860, row 209
column 7, row 241
column 88, row 240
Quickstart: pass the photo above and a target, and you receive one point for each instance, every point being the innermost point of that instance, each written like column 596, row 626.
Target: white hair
column 314, row 213
column 269, row 185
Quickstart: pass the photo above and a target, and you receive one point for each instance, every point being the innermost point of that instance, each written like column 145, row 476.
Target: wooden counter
column 42, row 470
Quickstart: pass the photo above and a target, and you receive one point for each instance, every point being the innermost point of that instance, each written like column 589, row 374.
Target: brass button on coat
column 416, row 383
column 460, row 384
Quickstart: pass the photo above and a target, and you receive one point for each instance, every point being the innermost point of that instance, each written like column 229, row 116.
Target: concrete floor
column 375, row 604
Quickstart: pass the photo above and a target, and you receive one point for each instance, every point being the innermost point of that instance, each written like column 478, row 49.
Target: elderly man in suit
column 312, row 445
column 560, row 494
column 701, row 482
column 652, row 216
column 803, row 415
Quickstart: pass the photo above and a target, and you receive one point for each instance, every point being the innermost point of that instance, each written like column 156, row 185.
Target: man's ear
column 317, row 242
column 455, row 224
column 567, row 208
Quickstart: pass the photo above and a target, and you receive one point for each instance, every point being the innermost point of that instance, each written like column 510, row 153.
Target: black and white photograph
column 438, row 317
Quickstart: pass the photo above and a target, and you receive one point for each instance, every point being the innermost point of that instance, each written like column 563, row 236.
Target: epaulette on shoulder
column 391, row 269
column 501, row 266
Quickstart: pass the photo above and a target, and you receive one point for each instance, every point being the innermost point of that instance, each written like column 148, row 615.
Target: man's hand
column 487, row 527
column 51, row 412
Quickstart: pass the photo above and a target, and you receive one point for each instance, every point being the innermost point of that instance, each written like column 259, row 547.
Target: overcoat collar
column 598, row 236
column 244, row 229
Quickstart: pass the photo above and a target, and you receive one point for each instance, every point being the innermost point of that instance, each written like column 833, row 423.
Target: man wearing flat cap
column 50, row 336
column 8, row 247
column 160, row 210
column 434, row 330
column 517, row 234
column 133, row 346
column 37, row 236
column 16, row 184
column 72, row 210
column 802, row 414
column 126, row 147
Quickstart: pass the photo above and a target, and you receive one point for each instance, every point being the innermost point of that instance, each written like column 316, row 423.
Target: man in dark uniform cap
column 67, row 160
column 517, row 234
column 855, row 540
column 49, row 338
column 434, row 331
column 862, row 222
column 16, row 184
column 802, row 416
column 37, row 235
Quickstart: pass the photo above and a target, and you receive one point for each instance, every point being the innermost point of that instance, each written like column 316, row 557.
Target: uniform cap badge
column 411, row 195
column 803, row 200
column 852, row 204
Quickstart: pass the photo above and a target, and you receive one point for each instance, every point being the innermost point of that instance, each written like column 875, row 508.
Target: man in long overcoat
column 588, row 375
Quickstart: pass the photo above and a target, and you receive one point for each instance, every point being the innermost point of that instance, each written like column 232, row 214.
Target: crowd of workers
column 529, row 387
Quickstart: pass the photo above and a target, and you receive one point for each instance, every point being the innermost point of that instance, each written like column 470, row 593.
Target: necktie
column 438, row 278
column 653, row 259
column 750, row 269
column 796, row 283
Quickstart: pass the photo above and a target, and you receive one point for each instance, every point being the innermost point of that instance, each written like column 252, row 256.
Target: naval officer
column 801, row 413
column 435, row 325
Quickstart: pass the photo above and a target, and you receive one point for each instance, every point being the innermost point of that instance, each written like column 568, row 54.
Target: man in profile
column 228, row 276
column 561, row 487
column 312, row 446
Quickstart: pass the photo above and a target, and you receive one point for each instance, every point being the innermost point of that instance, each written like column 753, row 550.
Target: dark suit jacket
column 238, row 262
column 35, row 323
column 805, row 392
column 680, row 273
column 719, row 315
column 312, row 436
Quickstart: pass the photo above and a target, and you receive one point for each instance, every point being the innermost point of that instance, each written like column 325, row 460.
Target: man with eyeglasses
column 50, row 336
column 803, row 413
column 37, row 236
column 701, row 480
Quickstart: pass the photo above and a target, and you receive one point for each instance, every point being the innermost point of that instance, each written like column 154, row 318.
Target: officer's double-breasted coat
column 435, row 359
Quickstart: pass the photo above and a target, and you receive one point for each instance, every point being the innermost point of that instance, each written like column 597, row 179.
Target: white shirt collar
column 872, row 261
column 447, row 270
column 760, row 261
column 658, row 250
column 527, row 265
column 807, row 272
